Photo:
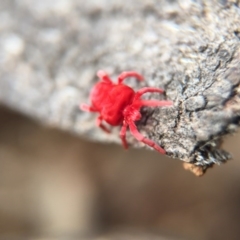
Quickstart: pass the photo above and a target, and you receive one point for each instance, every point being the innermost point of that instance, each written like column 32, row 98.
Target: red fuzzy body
column 118, row 104
column 110, row 100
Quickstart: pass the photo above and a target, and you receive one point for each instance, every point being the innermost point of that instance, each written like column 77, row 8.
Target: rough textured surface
column 51, row 50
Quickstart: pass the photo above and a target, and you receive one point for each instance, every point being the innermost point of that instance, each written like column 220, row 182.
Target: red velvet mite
column 118, row 104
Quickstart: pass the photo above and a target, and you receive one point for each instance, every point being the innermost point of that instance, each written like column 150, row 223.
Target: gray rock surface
column 50, row 52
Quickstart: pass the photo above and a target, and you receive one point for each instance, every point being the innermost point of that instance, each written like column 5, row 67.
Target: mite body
column 118, row 104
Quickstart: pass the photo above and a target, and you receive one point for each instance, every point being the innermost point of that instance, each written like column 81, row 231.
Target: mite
column 118, row 104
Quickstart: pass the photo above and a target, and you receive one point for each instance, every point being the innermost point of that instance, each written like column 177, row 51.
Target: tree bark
column 50, row 52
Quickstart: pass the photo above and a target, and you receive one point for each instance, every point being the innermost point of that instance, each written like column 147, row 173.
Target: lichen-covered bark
column 51, row 50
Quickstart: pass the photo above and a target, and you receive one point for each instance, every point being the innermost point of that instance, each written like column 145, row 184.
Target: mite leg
column 141, row 138
column 123, row 135
column 124, row 75
column 140, row 92
column 99, row 124
column 87, row 108
column 155, row 103
column 104, row 76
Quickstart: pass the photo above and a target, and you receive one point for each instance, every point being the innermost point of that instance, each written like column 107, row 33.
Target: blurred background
column 53, row 184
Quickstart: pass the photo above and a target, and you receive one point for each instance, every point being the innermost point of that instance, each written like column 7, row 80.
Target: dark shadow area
column 55, row 184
